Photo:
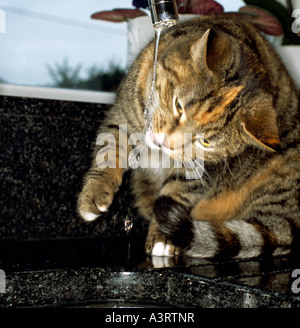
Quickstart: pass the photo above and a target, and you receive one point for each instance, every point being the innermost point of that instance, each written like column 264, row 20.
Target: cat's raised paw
column 92, row 203
column 89, row 216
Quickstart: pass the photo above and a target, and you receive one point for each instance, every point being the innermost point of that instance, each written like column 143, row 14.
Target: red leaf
column 110, row 16
column 118, row 15
column 130, row 13
column 265, row 21
column 206, row 8
column 236, row 15
column 199, row 7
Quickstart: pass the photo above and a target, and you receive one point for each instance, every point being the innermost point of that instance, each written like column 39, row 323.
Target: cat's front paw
column 160, row 245
column 162, row 261
column 93, row 200
column 98, row 192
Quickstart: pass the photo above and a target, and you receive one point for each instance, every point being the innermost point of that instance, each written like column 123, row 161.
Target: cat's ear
column 199, row 49
column 261, row 129
column 211, row 51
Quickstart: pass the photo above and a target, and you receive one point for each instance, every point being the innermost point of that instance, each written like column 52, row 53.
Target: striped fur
column 221, row 78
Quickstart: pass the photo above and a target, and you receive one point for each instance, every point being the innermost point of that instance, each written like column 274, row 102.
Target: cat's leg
column 99, row 188
column 105, row 176
column 158, row 243
column 172, row 225
column 146, row 189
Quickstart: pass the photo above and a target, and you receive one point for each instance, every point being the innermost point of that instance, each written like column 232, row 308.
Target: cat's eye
column 204, row 143
column 178, row 106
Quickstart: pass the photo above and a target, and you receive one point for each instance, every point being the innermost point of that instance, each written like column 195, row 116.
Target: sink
column 115, row 273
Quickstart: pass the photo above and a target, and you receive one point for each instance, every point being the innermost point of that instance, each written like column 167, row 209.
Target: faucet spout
column 164, row 13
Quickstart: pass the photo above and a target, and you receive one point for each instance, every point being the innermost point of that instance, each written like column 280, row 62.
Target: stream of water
column 133, row 159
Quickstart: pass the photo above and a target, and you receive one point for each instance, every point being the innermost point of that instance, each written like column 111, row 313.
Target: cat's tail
column 244, row 238
column 241, row 238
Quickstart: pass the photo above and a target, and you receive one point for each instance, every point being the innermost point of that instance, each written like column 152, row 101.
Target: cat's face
column 193, row 96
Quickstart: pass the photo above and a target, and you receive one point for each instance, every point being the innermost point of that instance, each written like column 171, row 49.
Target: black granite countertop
column 115, row 270
column 46, row 148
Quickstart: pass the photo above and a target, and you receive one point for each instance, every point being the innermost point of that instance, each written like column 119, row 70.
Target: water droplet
column 114, row 219
column 128, row 223
column 150, row 108
column 133, row 160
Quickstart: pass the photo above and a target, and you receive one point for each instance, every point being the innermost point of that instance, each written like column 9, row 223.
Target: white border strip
column 57, row 94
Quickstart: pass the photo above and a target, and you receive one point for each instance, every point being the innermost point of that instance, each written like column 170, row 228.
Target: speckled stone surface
column 116, row 271
column 46, row 148
column 60, row 287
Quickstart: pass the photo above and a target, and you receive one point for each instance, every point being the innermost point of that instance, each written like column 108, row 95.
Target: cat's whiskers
column 210, row 178
column 193, row 161
column 240, row 164
column 189, row 162
column 194, row 168
column 228, row 168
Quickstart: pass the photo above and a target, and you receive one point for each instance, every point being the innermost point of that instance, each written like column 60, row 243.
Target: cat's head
column 213, row 86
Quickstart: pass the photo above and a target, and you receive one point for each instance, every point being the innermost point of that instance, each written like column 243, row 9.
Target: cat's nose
column 157, row 140
column 161, row 139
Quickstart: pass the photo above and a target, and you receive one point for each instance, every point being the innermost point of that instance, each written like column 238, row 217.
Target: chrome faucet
column 164, row 13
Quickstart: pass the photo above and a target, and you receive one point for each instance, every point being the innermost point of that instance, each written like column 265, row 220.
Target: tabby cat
column 220, row 80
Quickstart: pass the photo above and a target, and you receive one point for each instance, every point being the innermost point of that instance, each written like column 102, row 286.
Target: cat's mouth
column 158, row 141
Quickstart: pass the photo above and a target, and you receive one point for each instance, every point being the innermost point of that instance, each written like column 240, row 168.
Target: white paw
column 162, row 249
column 88, row 216
column 161, row 262
column 102, row 208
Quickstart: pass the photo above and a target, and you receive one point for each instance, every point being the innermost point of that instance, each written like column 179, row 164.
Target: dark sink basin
column 115, row 272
